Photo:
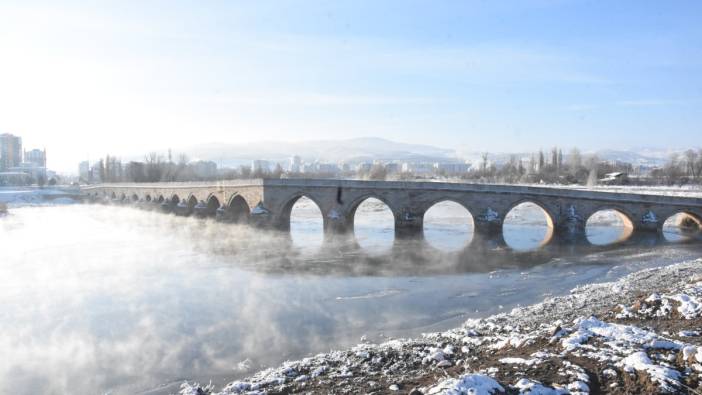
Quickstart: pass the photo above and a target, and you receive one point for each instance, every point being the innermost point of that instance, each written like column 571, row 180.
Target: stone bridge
column 269, row 202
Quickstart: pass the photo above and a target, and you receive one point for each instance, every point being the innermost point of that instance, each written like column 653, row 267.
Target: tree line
column 681, row 168
column 551, row 167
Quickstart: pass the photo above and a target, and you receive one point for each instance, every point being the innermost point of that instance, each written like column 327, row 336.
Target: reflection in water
column 374, row 226
column 448, row 226
column 608, row 227
column 112, row 299
column 306, row 225
column 527, row 227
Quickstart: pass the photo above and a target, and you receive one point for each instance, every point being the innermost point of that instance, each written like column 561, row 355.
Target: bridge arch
column 160, row 199
column 528, row 224
column 550, row 217
column 122, row 197
column 681, row 226
column 609, row 224
column 237, row 210
column 147, row 197
column 447, row 224
column 303, row 217
column 375, row 230
column 355, row 203
column 192, row 201
column 174, row 200
column 287, row 208
column 135, row 197
column 212, row 203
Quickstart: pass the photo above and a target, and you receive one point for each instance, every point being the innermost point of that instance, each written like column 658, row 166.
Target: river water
column 103, row 299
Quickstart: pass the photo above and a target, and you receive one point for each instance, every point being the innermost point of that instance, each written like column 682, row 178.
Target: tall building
column 295, row 164
column 84, row 171
column 36, row 157
column 10, row 151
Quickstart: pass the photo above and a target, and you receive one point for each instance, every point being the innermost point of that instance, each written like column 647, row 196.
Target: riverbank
column 640, row 334
column 29, row 196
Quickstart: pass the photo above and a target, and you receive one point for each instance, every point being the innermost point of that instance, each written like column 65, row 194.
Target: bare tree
column 377, row 172
column 575, row 160
column 691, row 162
column 484, row 162
column 542, row 160
column 277, row 171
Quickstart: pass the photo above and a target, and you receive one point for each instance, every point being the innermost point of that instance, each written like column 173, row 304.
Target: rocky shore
column 639, row 335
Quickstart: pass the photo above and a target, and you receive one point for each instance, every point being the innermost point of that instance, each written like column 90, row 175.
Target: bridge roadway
column 269, row 202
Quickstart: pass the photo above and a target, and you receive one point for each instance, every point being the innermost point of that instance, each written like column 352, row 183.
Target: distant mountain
column 645, row 158
column 350, row 151
column 368, row 149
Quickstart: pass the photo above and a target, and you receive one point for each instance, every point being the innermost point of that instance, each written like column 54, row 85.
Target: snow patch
column 474, row 384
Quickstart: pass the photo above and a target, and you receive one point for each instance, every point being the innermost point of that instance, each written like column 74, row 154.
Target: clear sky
column 87, row 78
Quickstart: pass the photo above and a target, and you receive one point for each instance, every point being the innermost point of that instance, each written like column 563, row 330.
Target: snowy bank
column 640, row 334
column 17, row 197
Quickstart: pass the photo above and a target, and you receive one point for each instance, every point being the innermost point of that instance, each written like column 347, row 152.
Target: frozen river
column 99, row 299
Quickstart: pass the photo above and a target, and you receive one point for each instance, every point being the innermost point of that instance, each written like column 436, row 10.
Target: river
column 105, row 299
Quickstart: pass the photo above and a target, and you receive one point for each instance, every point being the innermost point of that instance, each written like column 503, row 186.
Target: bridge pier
column 409, row 225
column 337, row 223
column 491, row 228
column 334, row 229
column 203, row 210
column 487, row 242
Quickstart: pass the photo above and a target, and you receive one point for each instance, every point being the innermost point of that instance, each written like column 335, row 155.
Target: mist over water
column 112, row 299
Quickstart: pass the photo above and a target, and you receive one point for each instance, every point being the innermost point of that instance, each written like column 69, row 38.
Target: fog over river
column 106, row 299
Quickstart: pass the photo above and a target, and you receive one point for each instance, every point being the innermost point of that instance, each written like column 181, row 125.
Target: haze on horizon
column 127, row 77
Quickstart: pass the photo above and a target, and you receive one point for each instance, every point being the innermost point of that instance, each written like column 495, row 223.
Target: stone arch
column 160, row 199
column 237, row 209
column 550, row 217
column 353, row 206
column 213, row 203
column 434, row 202
column 122, row 197
column 135, row 197
column 286, row 210
column 624, row 215
column 434, row 233
column 686, row 220
column 174, row 200
column 371, row 232
column 519, row 243
column 147, row 198
column 191, row 201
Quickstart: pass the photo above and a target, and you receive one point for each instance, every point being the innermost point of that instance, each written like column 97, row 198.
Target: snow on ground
column 639, row 334
column 667, row 190
column 467, row 384
column 16, row 197
column 683, row 191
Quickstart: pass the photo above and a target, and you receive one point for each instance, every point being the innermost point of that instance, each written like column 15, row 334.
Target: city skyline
column 129, row 77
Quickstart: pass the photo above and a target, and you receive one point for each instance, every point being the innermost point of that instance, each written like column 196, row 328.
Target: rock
column 444, row 364
column 556, row 330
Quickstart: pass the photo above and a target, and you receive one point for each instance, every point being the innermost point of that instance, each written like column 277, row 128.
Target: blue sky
column 133, row 76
